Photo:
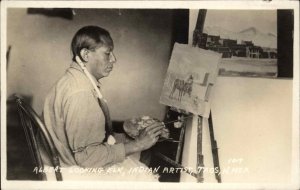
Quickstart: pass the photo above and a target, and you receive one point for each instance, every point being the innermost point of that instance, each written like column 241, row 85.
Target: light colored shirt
column 74, row 120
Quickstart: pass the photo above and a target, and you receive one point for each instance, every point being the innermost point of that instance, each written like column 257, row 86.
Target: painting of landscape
column 247, row 40
column 190, row 78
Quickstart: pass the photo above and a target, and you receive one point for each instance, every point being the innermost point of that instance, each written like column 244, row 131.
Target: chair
column 32, row 126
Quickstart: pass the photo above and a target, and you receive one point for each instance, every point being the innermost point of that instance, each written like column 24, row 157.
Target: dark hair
column 90, row 37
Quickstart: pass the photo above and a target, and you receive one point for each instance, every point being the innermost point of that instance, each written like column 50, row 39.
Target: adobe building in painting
column 229, row 47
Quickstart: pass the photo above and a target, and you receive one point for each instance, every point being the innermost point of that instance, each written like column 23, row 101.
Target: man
column 72, row 109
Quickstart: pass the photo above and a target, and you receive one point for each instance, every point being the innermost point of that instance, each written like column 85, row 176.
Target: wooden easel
column 197, row 42
column 214, row 149
column 200, row 157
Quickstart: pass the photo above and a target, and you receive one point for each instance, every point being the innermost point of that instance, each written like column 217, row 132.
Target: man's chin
column 106, row 74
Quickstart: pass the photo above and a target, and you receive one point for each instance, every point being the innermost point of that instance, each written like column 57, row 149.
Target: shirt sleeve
column 85, row 124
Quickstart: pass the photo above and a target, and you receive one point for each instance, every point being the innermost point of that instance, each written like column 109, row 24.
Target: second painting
column 190, row 78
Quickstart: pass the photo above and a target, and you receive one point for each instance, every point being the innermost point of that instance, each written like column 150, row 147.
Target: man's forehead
column 106, row 47
column 107, row 42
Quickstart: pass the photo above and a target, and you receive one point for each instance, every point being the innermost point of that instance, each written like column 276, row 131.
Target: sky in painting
column 238, row 20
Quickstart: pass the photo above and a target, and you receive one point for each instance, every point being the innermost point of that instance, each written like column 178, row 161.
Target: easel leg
column 180, row 145
column 200, row 158
column 214, row 149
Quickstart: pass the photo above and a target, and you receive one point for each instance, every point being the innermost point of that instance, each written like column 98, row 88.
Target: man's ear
column 84, row 55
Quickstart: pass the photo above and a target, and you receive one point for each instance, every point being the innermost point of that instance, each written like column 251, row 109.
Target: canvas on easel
column 190, row 79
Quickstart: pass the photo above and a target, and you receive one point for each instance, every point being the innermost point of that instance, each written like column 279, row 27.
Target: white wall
column 252, row 119
column 41, row 53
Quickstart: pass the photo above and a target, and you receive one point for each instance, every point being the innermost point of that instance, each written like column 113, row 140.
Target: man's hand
column 121, row 138
column 146, row 139
column 149, row 135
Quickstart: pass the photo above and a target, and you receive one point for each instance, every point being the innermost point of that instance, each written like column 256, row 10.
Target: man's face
column 101, row 61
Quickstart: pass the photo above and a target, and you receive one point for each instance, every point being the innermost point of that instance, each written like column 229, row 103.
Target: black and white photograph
column 149, row 95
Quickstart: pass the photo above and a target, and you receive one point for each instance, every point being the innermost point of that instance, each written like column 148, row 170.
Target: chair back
column 33, row 126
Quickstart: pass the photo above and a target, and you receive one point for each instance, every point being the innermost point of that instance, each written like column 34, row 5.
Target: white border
column 296, row 98
column 157, row 5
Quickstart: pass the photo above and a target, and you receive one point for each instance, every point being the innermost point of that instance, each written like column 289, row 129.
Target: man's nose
column 112, row 58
